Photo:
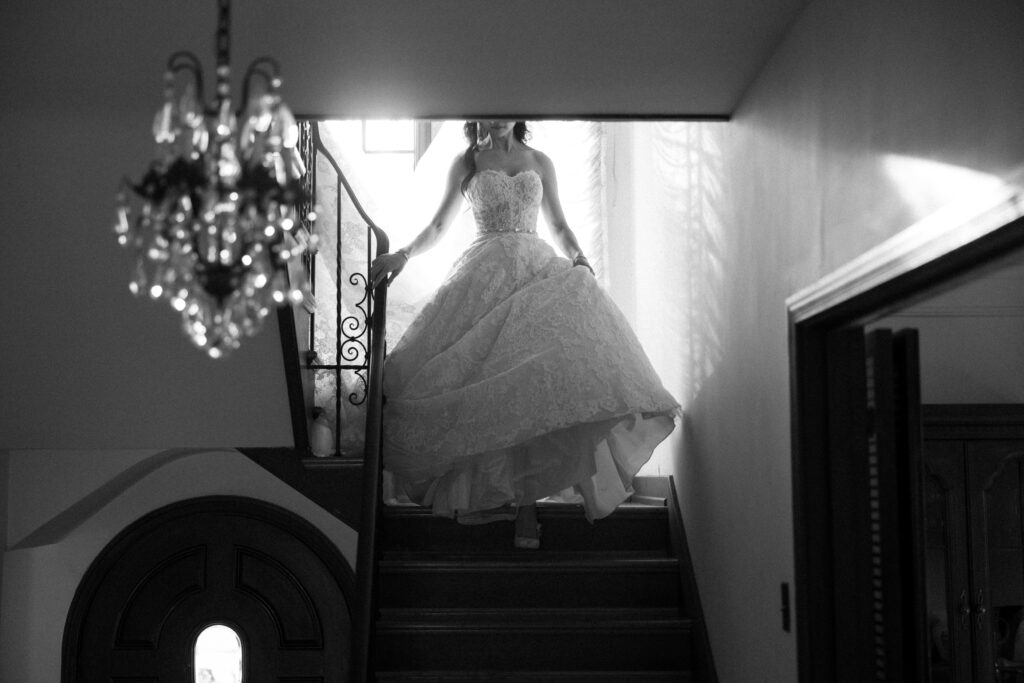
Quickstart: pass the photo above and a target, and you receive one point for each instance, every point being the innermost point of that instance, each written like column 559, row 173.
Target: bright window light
column 218, row 655
column 380, row 136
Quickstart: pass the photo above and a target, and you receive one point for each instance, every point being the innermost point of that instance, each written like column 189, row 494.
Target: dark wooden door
column 259, row 570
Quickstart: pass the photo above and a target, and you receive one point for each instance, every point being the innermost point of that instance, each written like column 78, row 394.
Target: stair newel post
column 366, row 560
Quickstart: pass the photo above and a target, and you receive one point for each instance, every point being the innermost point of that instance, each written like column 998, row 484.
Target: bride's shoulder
column 541, row 162
column 459, row 168
column 460, row 163
column 537, row 156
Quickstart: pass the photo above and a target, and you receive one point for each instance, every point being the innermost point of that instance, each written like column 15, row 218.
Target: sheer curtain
column 665, row 232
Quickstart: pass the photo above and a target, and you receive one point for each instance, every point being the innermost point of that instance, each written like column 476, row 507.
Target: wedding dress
column 520, row 378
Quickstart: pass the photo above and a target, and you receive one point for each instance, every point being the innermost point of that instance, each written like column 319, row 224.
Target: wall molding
column 947, row 230
column 961, row 312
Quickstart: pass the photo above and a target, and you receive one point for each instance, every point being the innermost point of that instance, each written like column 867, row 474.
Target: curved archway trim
column 152, row 528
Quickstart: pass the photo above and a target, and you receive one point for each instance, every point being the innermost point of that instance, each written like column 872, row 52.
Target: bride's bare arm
column 390, row 265
column 552, row 208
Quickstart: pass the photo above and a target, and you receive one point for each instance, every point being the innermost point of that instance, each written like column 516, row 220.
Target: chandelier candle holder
column 216, row 220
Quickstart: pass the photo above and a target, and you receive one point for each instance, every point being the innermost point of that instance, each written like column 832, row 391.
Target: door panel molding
column 261, row 569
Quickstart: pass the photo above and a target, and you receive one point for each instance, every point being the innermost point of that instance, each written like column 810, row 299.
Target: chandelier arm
column 270, row 75
column 255, row 70
column 275, row 67
column 183, row 60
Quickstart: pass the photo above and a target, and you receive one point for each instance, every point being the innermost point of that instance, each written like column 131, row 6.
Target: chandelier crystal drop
column 217, row 219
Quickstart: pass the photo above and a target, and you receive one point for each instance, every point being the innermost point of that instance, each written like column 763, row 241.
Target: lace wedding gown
column 520, row 378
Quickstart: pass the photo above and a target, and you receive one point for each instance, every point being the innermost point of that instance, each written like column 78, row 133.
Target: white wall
column 39, row 580
column 870, row 116
column 971, row 336
column 4, row 505
column 664, row 205
column 968, row 359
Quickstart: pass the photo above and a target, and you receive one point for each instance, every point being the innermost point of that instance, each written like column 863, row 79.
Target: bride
column 520, row 378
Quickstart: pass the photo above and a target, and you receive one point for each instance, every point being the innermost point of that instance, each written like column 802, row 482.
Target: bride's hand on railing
column 387, row 266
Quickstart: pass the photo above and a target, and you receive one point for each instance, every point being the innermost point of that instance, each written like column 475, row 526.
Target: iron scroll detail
column 343, row 356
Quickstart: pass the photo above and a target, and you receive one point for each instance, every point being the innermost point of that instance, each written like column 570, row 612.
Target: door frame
column 933, row 255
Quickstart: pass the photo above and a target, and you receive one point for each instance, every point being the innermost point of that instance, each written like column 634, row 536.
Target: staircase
column 437, row 601
column 612, row 601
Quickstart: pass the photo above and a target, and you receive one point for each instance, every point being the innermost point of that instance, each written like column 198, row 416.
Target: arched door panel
column 260, row 570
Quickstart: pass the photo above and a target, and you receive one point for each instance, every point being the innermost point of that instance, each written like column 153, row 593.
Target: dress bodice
column 505, row 203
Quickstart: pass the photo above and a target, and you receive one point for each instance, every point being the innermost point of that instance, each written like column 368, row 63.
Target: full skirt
column 520, row 379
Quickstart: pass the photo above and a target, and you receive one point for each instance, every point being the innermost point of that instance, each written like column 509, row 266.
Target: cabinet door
column 947, row 591
column 994, row 478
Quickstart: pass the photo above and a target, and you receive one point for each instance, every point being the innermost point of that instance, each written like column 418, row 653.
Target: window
column 388, row 137
column 218, row 655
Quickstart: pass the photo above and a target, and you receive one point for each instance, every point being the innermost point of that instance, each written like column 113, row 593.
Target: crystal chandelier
column 216, row 219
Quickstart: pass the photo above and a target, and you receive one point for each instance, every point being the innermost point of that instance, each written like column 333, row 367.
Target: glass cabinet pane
column 937, row 588
column 998, row 476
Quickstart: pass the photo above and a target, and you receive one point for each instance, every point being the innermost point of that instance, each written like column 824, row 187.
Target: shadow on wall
column 680, row 271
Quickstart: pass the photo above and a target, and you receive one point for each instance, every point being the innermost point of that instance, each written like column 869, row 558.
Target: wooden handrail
column 366, row 563
column 366, row 558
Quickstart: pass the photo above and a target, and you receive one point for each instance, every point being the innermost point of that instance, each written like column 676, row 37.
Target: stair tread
column 600, row 601
column 563, row 619
column 642, row 528
column 551, row 510
column 504, row 676
column 654, row 501
column 561, row 628
column 508, row 555
column 534, row 647
column 530, row 613
column 531, row 562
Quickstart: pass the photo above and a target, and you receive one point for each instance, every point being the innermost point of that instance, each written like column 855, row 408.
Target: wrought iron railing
column 352, row 330
column 359, row 351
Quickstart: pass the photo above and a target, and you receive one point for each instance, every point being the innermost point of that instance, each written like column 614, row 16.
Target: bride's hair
column 472, row 132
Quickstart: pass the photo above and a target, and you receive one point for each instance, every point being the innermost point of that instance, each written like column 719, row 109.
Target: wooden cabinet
column 973, row 485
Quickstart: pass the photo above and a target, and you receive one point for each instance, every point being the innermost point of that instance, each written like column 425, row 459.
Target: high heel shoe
column 528, row 542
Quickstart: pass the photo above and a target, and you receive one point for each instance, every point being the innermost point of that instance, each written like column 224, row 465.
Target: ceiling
column 414, row 57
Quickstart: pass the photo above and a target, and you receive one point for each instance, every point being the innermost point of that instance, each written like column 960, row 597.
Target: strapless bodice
column 505, row 203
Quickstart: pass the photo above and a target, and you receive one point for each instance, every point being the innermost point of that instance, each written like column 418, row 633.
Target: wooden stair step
column 531, row 615
column 533, row 676
column 511, row 555
column 571, row 644
column 579, row 582
column 631, row 527
column 656, row 501
column 605, row 602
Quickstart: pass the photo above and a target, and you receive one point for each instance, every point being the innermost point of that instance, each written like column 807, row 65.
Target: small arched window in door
column 218, row 655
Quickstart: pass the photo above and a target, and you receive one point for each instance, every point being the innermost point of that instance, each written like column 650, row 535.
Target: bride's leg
column 527, row 527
